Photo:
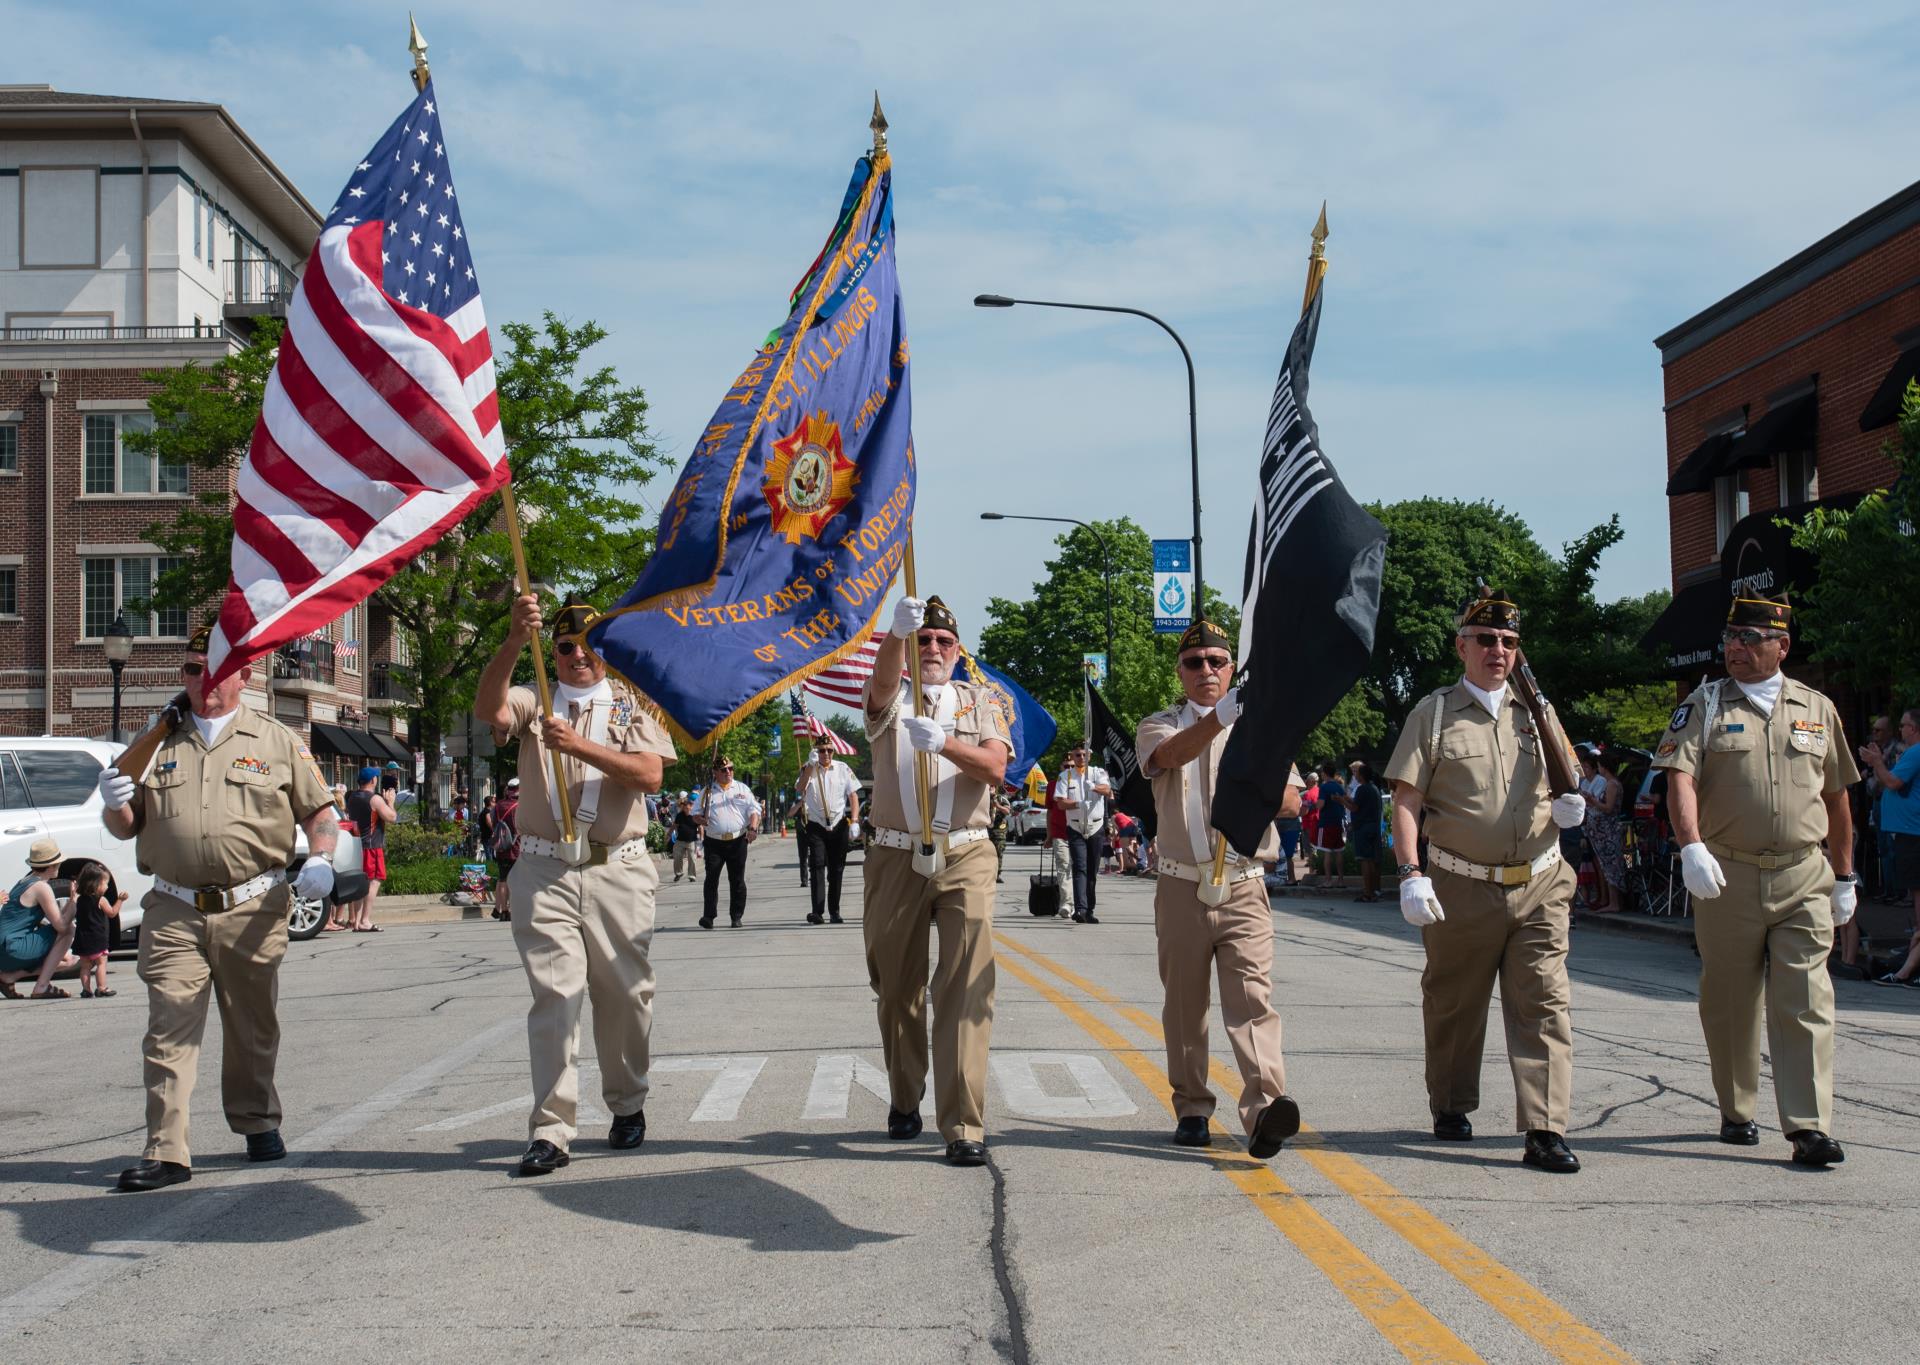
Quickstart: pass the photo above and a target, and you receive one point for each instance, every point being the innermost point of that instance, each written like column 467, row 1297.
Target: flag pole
column 512, row 508
column 1213, row 891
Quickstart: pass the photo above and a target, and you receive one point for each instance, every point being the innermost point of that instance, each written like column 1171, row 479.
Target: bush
column 422, row 877
column 656, row 838
column 410, row 843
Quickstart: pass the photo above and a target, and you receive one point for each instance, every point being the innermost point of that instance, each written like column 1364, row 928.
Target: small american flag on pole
column 380, row 429
column 847, row 679
column 806, row 723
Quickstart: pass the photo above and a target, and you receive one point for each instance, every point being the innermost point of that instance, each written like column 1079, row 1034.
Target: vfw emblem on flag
column 809, row 479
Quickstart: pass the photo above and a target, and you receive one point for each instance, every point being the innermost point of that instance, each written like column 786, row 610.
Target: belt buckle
column 209, row 900
column 1516, row 876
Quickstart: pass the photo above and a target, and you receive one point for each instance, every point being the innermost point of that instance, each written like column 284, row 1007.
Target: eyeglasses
column 193, row 670
column 724, row 768
column 1750, row 638
column 565, row 648
column 1486, row 639
column 1213, row 663
column 940, row 642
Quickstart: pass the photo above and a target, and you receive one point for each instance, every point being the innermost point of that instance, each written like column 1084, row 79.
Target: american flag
column 806, row 723
column 380, row 429
column 846, row 680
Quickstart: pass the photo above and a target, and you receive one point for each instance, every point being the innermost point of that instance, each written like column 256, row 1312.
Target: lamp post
column 1106, row 560
column 1193, row 427
column 118, row 645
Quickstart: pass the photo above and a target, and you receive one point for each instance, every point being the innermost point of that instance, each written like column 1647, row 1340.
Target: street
column 767, row 1217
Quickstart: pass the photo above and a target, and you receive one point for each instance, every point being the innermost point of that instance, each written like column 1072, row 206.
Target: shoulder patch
column 1681, row 714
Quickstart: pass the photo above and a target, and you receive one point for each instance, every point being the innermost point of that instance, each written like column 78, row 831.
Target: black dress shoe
column 1089, row 918
column 816, row 918
column 628, row 1130
column 154, row 1175
column 1453, row 1127
column 1272, row 1127
column 1549, row 1152
column 1740, row 1134
column 1811, row 1147
column 1192, row 1131
column 265, row 1146
column 735, row 921
column 901, row 1126
column 543, row 1158
column 706, row 921
column 964, row 1152
column 835, row 919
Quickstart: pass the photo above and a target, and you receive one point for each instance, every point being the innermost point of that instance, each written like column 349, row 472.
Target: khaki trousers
column 185, row 958
column 900, row 908
column 1519, row 936
column 1770, row 932
column 585, row 932
column 1234, row 940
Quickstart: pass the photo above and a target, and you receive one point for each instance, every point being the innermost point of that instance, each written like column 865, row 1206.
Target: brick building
column 1779, row 397
column 136, row 235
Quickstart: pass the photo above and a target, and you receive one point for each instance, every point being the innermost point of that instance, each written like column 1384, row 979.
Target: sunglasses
column 1486, row 639
column 193, row 670
column 1214, row 663
column 724, row 768
column 940, row 642
column 565, row 648
column 1749, row 638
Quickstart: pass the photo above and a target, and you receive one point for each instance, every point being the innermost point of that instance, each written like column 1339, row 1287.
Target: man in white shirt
column 1082, row 791
column 730, row 819
column 830, row 799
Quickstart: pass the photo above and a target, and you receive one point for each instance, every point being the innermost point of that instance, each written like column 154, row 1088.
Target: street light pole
column 1193, row 425
column 1106, row 560
column 117, row 644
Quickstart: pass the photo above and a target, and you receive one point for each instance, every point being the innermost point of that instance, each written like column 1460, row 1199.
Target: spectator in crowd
column 481, row 829
column 1126, row 843
column 730, row 821
column 1056, row 848
column 1288, row 827
column 1363, row 801
column 92, row 937
column 685, row 837
column 503, row 844
column 1600, row 785
column 1880, row 839
column 1900, row 817
column 1330, row 830
column 35, row 933
column 370, row 813
column 997, row 830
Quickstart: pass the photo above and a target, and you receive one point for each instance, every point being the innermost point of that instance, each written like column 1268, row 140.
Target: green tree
column 1859, row 614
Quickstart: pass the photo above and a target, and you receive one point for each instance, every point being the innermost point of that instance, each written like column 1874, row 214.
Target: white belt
column 894, row 838
column 1517, row 875
column 210, row 900
column 596, row 853
column 1187, row 872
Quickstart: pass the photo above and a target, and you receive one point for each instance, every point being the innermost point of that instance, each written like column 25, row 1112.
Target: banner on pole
column 1172, row 586
column 1095, row 667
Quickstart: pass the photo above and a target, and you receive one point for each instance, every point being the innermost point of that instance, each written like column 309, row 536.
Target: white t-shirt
column 211, row 727
column 729, row 809
column 836, row 784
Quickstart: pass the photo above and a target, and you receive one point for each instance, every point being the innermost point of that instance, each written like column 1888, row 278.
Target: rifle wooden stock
column 1555, row 751
column 136, row 760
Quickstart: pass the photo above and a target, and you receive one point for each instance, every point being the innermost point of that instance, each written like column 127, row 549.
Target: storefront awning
column 1706, row 462
column 390, row 750
column 1787, row 429
column 345, row 742
column 1884, row 406
column 1687, row 633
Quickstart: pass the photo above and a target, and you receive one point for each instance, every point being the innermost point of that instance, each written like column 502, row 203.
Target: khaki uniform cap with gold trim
column 1760, row 613
column 1491, row 609
column 1203, row 633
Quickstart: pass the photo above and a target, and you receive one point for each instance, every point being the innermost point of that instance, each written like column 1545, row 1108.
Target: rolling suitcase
column 1043, row 887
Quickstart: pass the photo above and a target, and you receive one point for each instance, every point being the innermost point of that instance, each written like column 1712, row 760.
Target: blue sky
column 1521, row 197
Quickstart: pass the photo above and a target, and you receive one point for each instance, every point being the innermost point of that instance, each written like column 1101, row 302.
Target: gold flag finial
column 418, row 47
column 879, row 125
column 1320, row 231
column 1316, row 259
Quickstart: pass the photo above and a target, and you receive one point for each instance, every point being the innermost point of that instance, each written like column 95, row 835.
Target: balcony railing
column 258, row 282
column 205, row 331
column 387, row 684
column 310, row 661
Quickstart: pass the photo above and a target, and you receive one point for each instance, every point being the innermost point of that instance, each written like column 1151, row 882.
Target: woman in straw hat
column 34, row 933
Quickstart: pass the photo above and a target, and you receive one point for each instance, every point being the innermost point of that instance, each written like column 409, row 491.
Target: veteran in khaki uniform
column 1180, row 752
column 582, row 914
column 965, row 735
column 1496, row 903
column 1758, row 777
column 214, row 822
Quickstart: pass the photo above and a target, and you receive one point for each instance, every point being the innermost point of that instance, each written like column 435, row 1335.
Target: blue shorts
column 26, row 950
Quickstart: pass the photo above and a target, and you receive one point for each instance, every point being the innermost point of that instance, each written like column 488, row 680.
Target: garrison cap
column 1203, row 633
column 201, row 640
column 940, row 617
column 1491, row 608
column 573, row 618
column 1760, row 613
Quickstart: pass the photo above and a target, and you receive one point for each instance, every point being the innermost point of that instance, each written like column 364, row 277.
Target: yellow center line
column 1557, row 1330
column 1416, row 1333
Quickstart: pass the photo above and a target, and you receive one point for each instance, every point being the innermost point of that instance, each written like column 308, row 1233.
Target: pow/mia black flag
column 1312, row 597
column 1107, row 737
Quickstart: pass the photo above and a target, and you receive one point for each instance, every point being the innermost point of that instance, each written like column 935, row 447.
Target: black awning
column 1885, row 404
column 1707, row 462
column 1687, row 633
column 344, row 741
column 390, row 750
column 1786, row 429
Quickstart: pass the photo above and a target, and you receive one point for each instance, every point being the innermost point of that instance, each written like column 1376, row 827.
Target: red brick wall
column 1850, row 360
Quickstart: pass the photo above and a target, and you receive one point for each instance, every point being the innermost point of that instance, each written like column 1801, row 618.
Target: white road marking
column 186, row 1207
column 832, row 1089
column 1101, row 1096
column 721, row 1103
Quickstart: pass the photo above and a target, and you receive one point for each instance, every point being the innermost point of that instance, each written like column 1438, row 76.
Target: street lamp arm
column 1106, row 557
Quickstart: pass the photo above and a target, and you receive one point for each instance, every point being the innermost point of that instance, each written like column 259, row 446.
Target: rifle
column 137, row 759
column 1555, row 751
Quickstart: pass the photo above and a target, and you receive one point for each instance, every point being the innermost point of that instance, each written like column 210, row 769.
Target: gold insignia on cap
column 1760, row 613
column 1203, row 633
column 201, row 640
column 940, row 617
column 1492, row 608
column 573, row 618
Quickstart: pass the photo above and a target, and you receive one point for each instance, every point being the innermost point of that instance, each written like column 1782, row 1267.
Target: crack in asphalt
column 1013, row 1346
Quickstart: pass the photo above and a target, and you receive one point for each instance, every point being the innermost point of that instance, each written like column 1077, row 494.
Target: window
column 197, row 247
column 1729, row 503
column 112, row 466
column 13, row 792
column 1799, row 479
column 59, row 777
column 9, row 590
column 355, row 626
column 210, row 234
column 110, row 586
column 9, row 448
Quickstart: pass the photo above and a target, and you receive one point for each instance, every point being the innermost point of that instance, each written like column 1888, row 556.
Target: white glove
column 1569, row 811
column 925, row 734
column 315, row 879
column 1227, row 709
column 116, row 788
column 1418, row 905
column 1700, row 870
column 853, row 829
column 909, row 614
column 1846, row 898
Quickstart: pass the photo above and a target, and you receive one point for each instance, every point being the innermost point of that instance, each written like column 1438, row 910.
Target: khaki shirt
column 223, row 815
column 1761, row 777
column 979, row 716
column 622, row 812
column 1483, row 785
column 1170, row 791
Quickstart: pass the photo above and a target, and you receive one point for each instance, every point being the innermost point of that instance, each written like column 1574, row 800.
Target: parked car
column 1027, row 824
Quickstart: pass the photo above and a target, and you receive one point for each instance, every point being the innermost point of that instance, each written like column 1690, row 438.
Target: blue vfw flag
column 777, row 546
column 1031, row 724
